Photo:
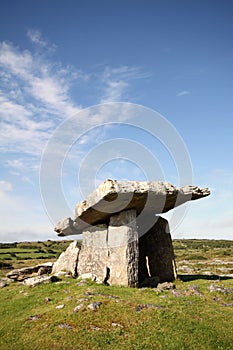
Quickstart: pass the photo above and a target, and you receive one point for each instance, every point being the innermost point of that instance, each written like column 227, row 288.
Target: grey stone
column 33, row 318
column 113, row 196
column 78, row 307
column 34, row 281
column 44, row 270
column 165, row 286
column 115, row 324
column 110, row 254
column 23, row 273
column 95, row 328
column 67, row 261
column 124, row 241
column 60, row 306
column 156, row 255
column 65, row 325
column 65, row 227
column 213, row 288
column 2, row 284
column 47, row 300
column 95, row 305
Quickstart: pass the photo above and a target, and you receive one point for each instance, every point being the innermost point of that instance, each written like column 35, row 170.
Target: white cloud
column 45, row 82
column 36, row 37
column 183, row 93
column 34, row 97
column 117, row 81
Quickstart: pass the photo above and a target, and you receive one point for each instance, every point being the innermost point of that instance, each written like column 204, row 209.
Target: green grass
column 187, row 322
column 23, row 254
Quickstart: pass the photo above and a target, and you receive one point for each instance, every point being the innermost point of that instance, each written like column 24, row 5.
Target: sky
column 134, row 90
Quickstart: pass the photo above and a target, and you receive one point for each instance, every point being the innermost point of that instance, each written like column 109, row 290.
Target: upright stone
column 156, row 255
column 110, row 254
column 93, row 256
column 68, row 260
column 123, row 249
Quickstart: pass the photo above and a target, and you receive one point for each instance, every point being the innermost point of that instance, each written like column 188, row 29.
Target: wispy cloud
column 36, row 37
column 116, row 82
column 34, row 97
column 183, row 93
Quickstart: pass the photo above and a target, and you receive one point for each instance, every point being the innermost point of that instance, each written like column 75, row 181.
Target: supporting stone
column 123, row 249
column 68, row 260
column 156, row 255
column 93, row 256
column 110, row 254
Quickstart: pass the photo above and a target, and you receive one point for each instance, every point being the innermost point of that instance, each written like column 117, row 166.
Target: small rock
column 138, row 308
column 152, row 306
column 177, row 293
column 216, row 299
column 89, row 294
column 94, row 328
column 81, row 300
column 34, row 281
column 95, row 305
column 81, row 283
column 78, row 307
column 194, row 290
column 60, row 306
column 148, row 306
column 2, row 284
column 165, row 286
column 213, row 288
column 33, row 318
column 115, row 324
column 47, row 300
column 44, row 270
column 65, row 325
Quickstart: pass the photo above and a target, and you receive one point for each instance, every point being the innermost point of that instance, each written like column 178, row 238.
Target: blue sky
column 59, row 58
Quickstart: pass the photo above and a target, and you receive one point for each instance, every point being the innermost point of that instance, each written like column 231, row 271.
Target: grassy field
column 17, row 255
column 197, row 314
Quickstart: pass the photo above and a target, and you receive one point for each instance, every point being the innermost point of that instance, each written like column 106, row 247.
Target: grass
column 202, row 320
column 188, row 322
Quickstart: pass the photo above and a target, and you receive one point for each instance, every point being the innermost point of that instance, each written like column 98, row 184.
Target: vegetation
column 192, row 317
column 16, row 255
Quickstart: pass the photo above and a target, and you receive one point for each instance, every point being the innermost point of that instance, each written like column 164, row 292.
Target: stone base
column 115, row 254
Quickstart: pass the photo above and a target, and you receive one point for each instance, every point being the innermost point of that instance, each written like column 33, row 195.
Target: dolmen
column 124, row 239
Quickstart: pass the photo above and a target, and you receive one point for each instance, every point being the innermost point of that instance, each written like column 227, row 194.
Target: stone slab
column 113, row 196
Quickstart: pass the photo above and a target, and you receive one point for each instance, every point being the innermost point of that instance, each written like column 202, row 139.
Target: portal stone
column 68, row 260
column 110, row 254
column 156, row 255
